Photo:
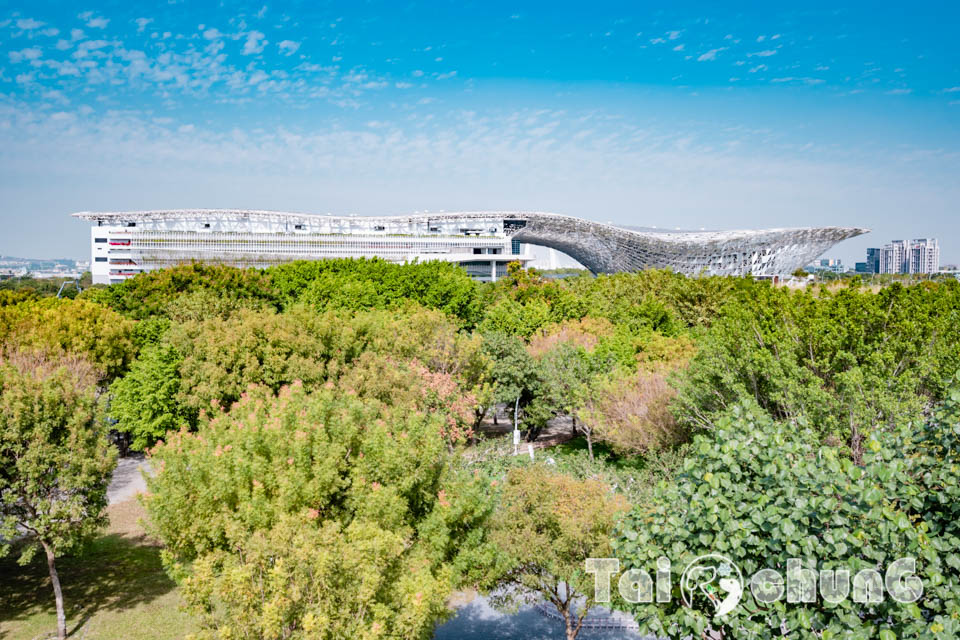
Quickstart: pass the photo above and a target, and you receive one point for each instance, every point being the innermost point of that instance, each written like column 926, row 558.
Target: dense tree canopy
column 346, row 503
column 849, row 361
column 324, row 470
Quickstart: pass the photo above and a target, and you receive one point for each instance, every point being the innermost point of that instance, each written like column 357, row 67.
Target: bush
column 761, row 493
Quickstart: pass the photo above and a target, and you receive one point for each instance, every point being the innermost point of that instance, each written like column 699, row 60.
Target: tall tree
column 546, row 526
column 316, row 515
column 55, row 461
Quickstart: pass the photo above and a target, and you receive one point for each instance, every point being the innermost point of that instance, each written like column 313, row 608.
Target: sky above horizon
column 676, row 115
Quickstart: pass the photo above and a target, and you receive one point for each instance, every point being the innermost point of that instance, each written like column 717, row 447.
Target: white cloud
column 759, row 67
column 673, row 35
column 212, row 34
column 761, row 38
column 76, row 34
column 952, row 90
column 446, row 76
column 288, row 47
column 255, row 43
column 710, row 55
column 142, row 23
column 775, row 36
column 679, row 47
column 762, row 54
column 32, row 53
column 94, row 22
column 657, row 41
column 28, row 24
column 51, row 32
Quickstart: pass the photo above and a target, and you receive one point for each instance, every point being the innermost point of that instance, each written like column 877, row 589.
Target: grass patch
column 114, row 589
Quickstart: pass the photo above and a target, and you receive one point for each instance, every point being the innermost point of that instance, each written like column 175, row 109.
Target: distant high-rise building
column 917, row 256
column 873, row 260
column 923, row 256
column 893, row 257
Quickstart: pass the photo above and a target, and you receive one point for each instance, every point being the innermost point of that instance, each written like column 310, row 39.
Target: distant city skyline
column 693, row 116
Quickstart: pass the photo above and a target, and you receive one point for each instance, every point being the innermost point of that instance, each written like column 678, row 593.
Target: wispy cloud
column 710, row 55
column 142, row 23
column 762, row 54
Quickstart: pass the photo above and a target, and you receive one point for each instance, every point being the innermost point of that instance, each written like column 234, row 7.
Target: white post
column 493, row 271
column 530, row 449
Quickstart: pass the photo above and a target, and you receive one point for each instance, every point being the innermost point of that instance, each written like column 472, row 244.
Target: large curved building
column 124, row 244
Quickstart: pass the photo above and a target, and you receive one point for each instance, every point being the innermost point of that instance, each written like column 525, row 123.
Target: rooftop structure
column 126, row 243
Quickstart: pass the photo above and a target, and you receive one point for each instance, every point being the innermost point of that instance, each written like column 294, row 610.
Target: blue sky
column 737, row 115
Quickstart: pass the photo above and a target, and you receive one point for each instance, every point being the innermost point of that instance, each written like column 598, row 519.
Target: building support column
column 493, row 271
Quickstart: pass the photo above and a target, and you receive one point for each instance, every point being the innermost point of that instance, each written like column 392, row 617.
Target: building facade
column 899, row 256
column 124, row 244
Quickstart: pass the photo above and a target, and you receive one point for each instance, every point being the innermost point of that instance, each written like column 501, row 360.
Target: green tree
column 546, row 525
column 378, row 284
column 146, row 402
column 60, row 326
column 851, row 361
column 55, row 461
column 152, row 293
column 513, row 372
column 319, row 515
column 762, row 493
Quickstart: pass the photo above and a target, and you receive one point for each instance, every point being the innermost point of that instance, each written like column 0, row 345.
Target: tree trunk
column 573, row 421
column 58, row 594
column 590, row 443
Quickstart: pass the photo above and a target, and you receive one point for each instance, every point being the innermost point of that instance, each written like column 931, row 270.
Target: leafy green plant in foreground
column 761, row 493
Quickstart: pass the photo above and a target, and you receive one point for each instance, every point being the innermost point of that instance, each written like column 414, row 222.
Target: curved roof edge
column 197, row 214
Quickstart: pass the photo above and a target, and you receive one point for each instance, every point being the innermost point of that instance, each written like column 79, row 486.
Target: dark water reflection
column 479, row 621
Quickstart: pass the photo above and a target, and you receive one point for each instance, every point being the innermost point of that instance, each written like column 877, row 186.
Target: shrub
column 761, row 493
